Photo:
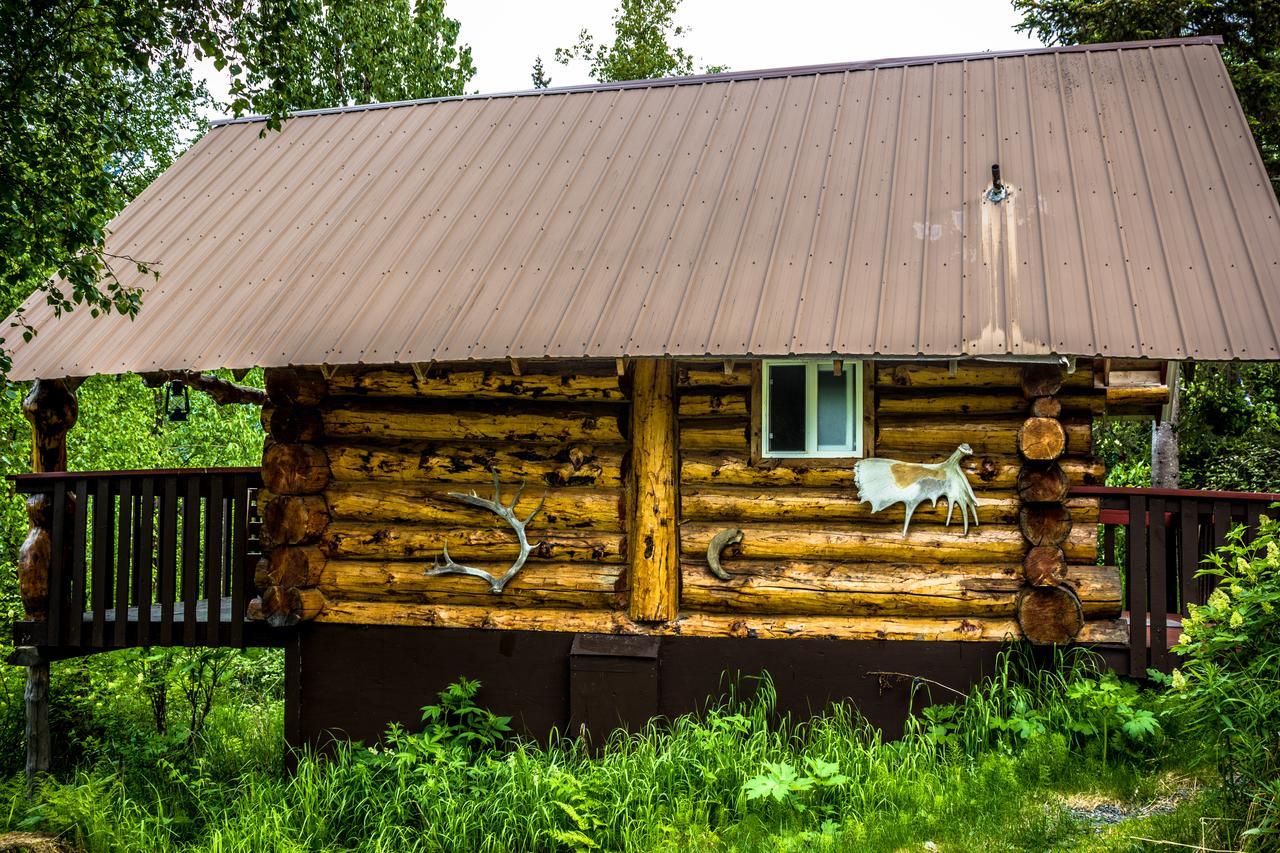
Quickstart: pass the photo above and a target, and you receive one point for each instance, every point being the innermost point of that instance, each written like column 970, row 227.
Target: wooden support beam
column 52, row 409
column 654, row 540
column 222, row 391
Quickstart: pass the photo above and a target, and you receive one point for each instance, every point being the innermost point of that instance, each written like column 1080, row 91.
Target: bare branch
column 221, row 390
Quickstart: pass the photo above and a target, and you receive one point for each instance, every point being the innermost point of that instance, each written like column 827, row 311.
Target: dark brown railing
column 148, row 558
column 1159, row 538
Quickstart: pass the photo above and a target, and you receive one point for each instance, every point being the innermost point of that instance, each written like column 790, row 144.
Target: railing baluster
column 57, row 549
column 101, row 550
column 1188, row 552
column 1252, row 515
column 167, row 561
column 213, row 559
column 145, row 565
column 79, row 531
column 239, row 558
column 1157, row 540
column 1136, row 541
column 190, row 560
column 124, row 544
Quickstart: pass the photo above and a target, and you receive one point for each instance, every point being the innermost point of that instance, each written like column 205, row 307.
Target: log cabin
column 569, row 390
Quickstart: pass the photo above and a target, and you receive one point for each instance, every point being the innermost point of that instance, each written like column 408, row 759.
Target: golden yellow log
column 550, row 425
column 1136, row 398
column 712, row 375
column 398, row 541
column 743, row 503
column 981, row 403
column 568, row 508
column 495, row 383
column 697, row 624
column 873, row 543
column 863, row 589
column 985, row 437
column 291, row 519
column 474, row 464
column 294, row 469
column 654, row 553
column 711, row 404
column 295, row 565
column 714, row 435
column 1042, row 439
column 968, row 374
column 576, row 585
column 999, row 472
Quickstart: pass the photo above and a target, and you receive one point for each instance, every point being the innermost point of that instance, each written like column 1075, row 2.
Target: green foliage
column 1229, row 437
column 1227, row 691
column 343, row 52
column 1251, row 44
column 644, row 46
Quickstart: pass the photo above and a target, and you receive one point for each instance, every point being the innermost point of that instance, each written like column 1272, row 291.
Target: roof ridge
column 756, row 74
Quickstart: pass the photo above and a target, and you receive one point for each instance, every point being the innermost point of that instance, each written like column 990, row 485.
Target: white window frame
column 852, row 372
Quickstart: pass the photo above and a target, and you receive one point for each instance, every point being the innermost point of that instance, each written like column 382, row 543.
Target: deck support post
column 52, row 409
column 653, row 538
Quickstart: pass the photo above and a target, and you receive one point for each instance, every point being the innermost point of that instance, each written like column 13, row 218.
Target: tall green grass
column 963, row 778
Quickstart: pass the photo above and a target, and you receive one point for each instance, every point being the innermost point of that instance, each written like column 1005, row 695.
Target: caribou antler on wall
column 507, row 513
column 883, row 482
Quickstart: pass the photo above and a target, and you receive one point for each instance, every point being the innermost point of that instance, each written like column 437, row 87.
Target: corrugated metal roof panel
column 836, row 209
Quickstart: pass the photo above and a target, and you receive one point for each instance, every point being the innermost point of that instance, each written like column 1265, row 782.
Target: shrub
column 1227, row 693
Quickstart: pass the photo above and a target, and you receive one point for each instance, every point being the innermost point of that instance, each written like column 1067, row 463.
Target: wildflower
column 1179, row 680
column 1237, row 619
column 1219, row 600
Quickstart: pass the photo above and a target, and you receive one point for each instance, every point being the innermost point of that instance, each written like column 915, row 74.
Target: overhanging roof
column 832, row 209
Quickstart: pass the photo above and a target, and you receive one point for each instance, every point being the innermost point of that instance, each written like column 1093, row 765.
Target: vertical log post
column 52, row 409
column 654, row 566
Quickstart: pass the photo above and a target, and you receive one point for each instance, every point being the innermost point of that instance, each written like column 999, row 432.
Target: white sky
column 506, row 35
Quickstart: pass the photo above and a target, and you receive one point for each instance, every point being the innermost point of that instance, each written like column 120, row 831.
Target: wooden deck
column 181, row 631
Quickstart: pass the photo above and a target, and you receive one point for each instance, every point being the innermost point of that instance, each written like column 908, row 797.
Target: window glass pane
column 786, row 407
column 833, row 410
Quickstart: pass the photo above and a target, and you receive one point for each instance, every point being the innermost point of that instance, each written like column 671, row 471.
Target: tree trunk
column 1164, row 438
column 654, row 565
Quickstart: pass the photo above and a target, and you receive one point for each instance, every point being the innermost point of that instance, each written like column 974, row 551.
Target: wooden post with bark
column 654, row 566
column 52, row 409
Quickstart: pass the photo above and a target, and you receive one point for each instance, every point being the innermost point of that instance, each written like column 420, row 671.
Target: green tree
column 643, row 47
column 343, row 52
column 1250, row 31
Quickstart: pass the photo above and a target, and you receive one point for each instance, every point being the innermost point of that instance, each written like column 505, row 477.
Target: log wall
column 370, row 461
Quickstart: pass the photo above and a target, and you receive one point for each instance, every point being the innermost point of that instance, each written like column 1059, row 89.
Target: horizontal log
column 286, row 606
column 294, row 469
column 366, row 420
column 968, row 374
column 984, row 472
column 977, row 402
column 1046, row 565
column 1051, row 407
column 697, row 624
column 291, row 519
column 288, row 386
column 711, row 375
column 1044, row 483
column 569, row 508
column 1047, row 524
column 714, row 435
column 497, row 383
column 873, row 543
column 985, row 437
column 862, row 589
column 778, row 504
column 412, row 541
column 710, row 404
column 1136, row 398
column 576, row 585
column 574, row 465
column 1049, row 615
column 290, row 424
column 294, row 566
column 1042, row 379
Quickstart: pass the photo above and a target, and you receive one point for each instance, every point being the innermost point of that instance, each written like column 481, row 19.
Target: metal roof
column 830, row 209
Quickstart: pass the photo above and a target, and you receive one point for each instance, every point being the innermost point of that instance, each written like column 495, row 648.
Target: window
column 808, row 410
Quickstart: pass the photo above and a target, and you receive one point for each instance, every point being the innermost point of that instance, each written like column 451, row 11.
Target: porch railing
column 1159, row 538
column 138, row 558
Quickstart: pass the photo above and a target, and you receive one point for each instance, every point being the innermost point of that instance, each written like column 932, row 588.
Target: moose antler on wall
column 883, row 482
column 507, row 513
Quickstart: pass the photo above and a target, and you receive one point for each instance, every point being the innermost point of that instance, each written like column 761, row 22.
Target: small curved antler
column 507, row 513
column 718, row 543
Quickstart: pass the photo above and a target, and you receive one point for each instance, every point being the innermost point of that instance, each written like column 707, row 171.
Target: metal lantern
column 177, row 392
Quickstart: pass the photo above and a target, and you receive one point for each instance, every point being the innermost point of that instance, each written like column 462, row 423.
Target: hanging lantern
column 177, row 395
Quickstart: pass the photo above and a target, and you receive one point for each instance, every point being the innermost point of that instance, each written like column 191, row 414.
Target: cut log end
column 1046, row 407
column 1042, row 380
column 1044, row 566
column 1043, row 483
column 1042, row 439
column 1049, row 615
column 1045, row 524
